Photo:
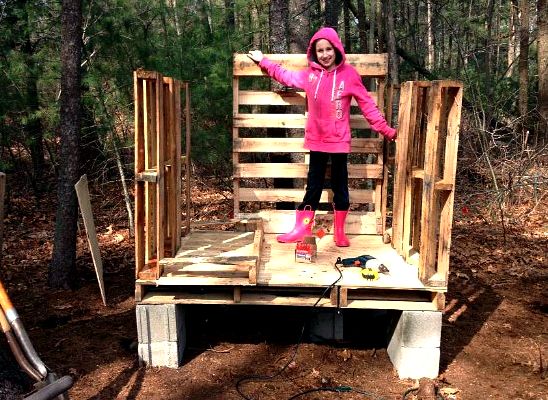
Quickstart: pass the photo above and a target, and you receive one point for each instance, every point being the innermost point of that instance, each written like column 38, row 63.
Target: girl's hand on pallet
column 256, row 55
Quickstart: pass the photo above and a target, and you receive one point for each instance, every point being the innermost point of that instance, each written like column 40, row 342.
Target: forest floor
column 494, row 336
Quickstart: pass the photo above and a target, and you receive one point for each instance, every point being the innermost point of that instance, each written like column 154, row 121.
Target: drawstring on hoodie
column 332, row 89
column 318, row 86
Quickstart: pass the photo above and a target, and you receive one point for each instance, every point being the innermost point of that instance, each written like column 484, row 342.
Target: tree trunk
column 362, row 26
column 513, row 50
column 393, row 60
column 299, row 26
column 488, row 65
column 372, row 27
column 346, row 17
column 61, row 271
column 542, row 22
column 523, row 64
column 332, row 11
column 430, row 36
column 229, row 14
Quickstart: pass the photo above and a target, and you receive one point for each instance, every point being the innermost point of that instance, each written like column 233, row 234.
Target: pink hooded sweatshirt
column 329, row 94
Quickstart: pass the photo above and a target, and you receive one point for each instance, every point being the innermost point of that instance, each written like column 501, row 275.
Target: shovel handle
column 5, row 301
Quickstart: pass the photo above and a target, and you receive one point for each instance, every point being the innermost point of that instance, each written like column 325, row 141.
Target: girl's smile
column 325, row 53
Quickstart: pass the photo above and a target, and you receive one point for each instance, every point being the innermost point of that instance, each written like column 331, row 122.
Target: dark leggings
column 316, row 178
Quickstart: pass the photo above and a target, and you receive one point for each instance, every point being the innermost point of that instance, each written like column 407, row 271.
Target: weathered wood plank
column 281, row 98
column 357, row 196
column 82, row 192
column 296, row 121
column 430, row 209
column 373, row 65
column 295, row 145
column 279, row 221
column 160, row 165
column 299, row 170
column 139, row 166
column 454, row 100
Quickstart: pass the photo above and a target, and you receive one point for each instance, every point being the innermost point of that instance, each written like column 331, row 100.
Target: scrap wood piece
column 82, row 191
column 257, row 250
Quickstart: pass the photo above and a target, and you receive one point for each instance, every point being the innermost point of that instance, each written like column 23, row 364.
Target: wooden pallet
column 366, row 169
column 253, row 268
column 424, row 189
column 158, row 168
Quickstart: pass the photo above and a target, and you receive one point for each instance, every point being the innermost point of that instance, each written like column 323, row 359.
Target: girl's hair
column 338, row 55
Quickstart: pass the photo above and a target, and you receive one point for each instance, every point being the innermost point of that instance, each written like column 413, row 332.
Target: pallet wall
column 257, row 107
column 424, row 188
column 158, row 222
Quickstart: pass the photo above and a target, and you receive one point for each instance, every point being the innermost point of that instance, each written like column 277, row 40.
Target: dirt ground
column 494, row 338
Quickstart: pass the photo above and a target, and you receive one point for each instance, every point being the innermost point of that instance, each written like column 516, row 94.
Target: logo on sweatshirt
column 338, row 101
column 311, row 77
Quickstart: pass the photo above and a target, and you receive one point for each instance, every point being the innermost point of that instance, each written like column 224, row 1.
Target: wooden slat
column 278, row 221
column 295, row 145
column 373, row 65
column 357, row 196
column 149, row 116
column 178, row 171
column 187, row 155
column 84, row 202
column 380, row 215
column 381, row 302
column 281, row 98
column 235, row 136
column 148, row 75
column 406, row 126
column 299, row 170
column 257, row 250
column 169, row 177
column 293, row 121
column 147, row 176
column 160, row 159
column 430, row 210
column 454, row 98
column 139, row 166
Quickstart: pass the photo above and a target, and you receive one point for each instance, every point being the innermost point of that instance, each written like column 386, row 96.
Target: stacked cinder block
column 414, row 348
column 161, row 333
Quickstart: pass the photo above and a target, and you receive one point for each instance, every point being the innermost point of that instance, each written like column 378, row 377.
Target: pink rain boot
column 340, row 237
column 303, row 227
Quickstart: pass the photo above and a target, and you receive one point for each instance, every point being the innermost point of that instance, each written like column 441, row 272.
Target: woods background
column 498, row 48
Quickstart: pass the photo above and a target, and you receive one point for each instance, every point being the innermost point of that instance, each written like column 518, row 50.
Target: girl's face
column 325, row 54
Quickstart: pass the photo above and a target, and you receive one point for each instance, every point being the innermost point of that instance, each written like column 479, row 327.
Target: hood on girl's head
column 331, row 35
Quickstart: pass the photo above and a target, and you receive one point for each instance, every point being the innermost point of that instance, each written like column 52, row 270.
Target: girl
column 329, row 84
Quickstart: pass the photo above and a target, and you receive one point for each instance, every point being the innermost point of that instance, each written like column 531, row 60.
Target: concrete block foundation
column 414, row 346
column 161, row 332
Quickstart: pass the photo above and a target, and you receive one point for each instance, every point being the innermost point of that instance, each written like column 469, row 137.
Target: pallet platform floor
column 212, row 267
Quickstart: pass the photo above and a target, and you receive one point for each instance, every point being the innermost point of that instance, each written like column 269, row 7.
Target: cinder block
column 161, row 354
column 421, row 328
column 326, row 325
column 415, row 362
column 159, row 322
column 414, row 347
column 161, row 332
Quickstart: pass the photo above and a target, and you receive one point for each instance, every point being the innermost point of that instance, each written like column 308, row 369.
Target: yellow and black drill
column 368, row 272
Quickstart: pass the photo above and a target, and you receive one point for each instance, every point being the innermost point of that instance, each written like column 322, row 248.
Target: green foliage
column 191, row 41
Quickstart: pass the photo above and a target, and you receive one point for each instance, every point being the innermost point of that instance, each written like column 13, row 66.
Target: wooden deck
column 219, row 267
